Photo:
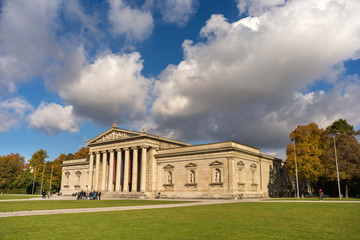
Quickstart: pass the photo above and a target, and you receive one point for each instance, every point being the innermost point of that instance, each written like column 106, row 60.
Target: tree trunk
column 346, row 190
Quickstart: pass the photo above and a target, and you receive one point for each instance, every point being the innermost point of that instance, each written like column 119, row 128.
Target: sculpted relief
column 112, row 136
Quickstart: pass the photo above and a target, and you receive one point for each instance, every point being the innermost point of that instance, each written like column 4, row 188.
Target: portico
column 118, row 170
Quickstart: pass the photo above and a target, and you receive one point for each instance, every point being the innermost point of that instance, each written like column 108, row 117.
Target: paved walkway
column 109, row 209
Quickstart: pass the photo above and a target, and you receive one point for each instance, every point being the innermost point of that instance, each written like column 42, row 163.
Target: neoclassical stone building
column 126, row 163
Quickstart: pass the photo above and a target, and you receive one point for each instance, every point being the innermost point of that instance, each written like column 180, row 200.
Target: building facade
column 133, row 164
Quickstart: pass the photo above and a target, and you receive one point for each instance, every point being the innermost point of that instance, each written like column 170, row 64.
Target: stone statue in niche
column 217, row 176
column 192, row 177
column 169, row 177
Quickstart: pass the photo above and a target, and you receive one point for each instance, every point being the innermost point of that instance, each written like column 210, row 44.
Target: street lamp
column 296, row 174
column 337, row 168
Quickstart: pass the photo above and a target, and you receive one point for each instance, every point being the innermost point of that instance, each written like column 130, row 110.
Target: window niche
column 77, row 181
column 67, row 179
column 253, row 177
column 168, row 177
column 240, row 171
column 191, row 175
column 217, row 174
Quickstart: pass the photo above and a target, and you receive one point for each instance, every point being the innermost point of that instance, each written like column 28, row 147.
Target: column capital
column 110, row 151
column 126, row 148
column 134, row 148
column 98, row 152
column 104, row 151
column 144, row 147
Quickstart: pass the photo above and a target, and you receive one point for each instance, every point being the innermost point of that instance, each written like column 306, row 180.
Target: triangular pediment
column 113, row 134
column 216, row 163
column 169, row 166
column 191, row 165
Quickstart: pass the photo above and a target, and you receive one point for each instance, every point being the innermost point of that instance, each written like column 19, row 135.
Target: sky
column 198, row 71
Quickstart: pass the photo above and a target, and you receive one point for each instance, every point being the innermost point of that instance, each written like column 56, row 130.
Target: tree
column 57, row 171
column 348, row 153
column 39, row 164
column 308, row 151
column 11, row 167
column 82, row 153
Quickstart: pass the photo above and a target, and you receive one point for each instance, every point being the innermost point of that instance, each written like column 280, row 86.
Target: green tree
column 57, row 172
column 348, row 153
column 38, row 162
column 308, row 151
column 11, row 167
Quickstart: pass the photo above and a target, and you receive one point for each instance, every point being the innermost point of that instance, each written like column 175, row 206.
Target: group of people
column 45, row 194
column 88, row 196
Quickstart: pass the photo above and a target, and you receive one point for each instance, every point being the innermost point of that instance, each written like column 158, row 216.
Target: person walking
column 321, row 195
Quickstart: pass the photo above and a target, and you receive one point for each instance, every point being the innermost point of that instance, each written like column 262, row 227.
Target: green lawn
column 312, row 199
column 17, row 196
column 67, row 204
column 247, row 220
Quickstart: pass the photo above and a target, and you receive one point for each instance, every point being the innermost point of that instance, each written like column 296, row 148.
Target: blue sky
column 191, row 70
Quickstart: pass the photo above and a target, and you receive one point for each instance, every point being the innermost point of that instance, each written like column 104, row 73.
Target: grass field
column 67, row 204
column 17, row 196
column 312, row 199
column 246, row 220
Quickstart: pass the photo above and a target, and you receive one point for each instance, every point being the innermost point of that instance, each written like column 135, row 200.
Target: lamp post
column 337, row 168
column 296, row 173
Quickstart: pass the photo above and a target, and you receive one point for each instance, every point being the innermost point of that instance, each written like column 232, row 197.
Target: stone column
column 143, row 169
column 111, row 172
column 153, row 177
column 134, row 172
column 103, row 175
column 97, row 171
column 126, row 171
column 118, row 172
column 91, row 168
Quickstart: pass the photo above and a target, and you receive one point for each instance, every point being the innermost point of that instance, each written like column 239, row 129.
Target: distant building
column 126, row 163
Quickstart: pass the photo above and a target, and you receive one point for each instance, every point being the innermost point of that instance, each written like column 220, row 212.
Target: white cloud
column 53, row 118
column 134, row 23
column 108, row 89
column 257, row 7
column 12, row 113
column 240, row 82
column 178, row 12
column 27, row 33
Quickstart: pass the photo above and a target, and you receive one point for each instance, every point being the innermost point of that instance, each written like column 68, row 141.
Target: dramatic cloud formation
column 12, row 113
column 53, row 118
column 247, row 80
column 252, row 80
column 178, row 12
column 110, row 88
column 27, row 33
column 134, row 23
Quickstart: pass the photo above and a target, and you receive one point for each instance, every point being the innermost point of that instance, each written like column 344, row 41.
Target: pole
column 337, row 168
column 34, row 182
column 42, row 180
column 297, row 181
column 51, row 178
